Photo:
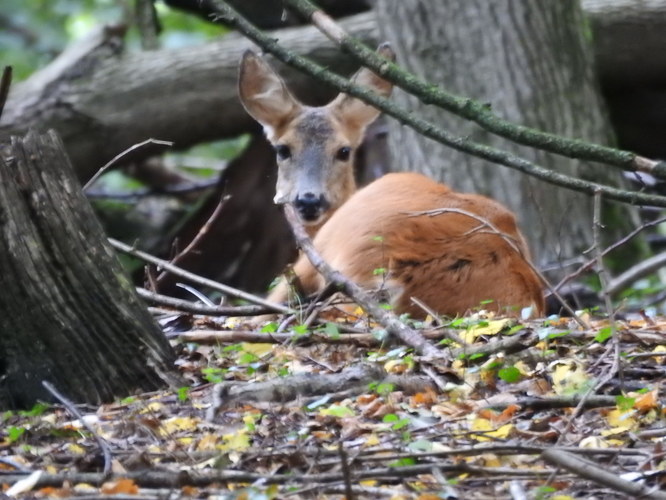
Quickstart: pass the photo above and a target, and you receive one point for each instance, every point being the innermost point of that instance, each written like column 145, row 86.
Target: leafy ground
column 519, row 409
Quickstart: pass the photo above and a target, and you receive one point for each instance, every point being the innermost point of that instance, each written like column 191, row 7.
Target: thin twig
column 346, row 472
column 590, row 263
column 614, row 345
column 600, row 475
column 642, row 269
column 464, row 144
column 194, row 278
column 104, row 447
column 191, row 307
column 197, row 239
column 387, row 319
column 113, row 161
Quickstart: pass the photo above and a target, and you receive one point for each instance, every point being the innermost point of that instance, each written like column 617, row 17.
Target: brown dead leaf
column 120, row 486
column 647, row 401
column 50, row 492
column 426, row 398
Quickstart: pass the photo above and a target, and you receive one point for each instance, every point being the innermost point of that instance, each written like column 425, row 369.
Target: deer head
column 314, row 145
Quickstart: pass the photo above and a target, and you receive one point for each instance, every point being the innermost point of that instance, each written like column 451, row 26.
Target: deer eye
column 283, row 152
column 343, row 153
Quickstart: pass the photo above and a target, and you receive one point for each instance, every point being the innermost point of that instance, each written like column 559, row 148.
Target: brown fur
column 452, row 262
column 441, row 259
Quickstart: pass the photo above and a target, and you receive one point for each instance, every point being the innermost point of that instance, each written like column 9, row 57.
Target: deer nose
column 310, row 206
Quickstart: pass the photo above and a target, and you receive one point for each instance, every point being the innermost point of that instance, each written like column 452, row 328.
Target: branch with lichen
column 231, row 17
column 470, row 109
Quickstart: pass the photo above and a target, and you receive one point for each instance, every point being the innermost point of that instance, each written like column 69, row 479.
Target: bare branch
column 233, row 292
column 471, row 109
column 388, row 320
column 269, row 44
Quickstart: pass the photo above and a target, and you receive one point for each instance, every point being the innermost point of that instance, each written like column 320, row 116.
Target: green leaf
column 384, row 388
column 624, row 403
column 35, row 411
column 603, row 335
column 509, row 374
column 269, row 327
column 338, row 411
column 300, row 329
column 15, row 433
column 332, row 330
column 213, row 375
column 421, row 445
column 247, row 357
column 396, row 422
column 403, row 462
column 183, row 394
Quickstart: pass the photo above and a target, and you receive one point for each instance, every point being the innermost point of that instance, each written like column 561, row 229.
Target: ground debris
column 315, row 419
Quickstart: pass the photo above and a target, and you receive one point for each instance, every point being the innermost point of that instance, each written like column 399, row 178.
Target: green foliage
column 332, row 330
column 213, row 375
column 33, row 32
column 396, row 422
column 509, row 374
column 383, row 389
column 35, row 411
column 271, row 327
column 624, row 403
column 15, row 433
column 603, row 335
column 183, row 394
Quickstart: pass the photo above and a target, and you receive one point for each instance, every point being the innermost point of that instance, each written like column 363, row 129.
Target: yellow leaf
column 568, row 377
column 238, row 441
column 153, row 407
column 492, row 327
column 487, row 429
column 76, row 449
column 259, row 350
column 620, row 421
column 490, row 460
column 178, row 424
column 368, row 483
column 372, row 440
column 502, row 432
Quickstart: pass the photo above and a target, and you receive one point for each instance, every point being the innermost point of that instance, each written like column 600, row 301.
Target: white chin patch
column 280, row 199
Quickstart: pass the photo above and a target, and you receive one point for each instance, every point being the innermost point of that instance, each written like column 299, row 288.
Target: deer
column 403, row 234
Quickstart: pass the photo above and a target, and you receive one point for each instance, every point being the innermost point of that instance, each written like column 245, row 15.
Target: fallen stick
column 387, row 319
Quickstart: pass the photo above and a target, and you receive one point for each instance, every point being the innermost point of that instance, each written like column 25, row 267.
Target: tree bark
column 530, row 62
column 69, row 314
column 101, row 101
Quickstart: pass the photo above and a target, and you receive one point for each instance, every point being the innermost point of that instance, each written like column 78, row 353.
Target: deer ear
column 354, row 111
column 263, row 93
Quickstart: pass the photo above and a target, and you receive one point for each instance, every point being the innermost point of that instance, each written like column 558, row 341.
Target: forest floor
column 520, row 409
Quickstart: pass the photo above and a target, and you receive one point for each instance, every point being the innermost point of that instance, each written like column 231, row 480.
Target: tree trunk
column 529, row 60
column 630, row 52
column 69, row 314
